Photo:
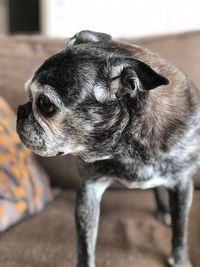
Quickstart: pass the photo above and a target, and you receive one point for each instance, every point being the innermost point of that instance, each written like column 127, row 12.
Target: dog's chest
column 137, row 174
column 163, row 172
column 181, row 161
column 147, row 176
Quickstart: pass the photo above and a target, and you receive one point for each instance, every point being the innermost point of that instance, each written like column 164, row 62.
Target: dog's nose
column 24, row 110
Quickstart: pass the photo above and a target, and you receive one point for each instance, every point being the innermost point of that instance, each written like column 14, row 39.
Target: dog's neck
column 164, row 118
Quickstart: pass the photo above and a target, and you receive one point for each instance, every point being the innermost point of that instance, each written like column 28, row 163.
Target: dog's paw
column 186, row 263
column 165, row 218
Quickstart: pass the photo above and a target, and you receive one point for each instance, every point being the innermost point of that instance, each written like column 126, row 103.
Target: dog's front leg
column 87, row 219
column 180, row 199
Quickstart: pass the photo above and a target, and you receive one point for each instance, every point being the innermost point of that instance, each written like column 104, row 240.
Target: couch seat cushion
column 129, row 234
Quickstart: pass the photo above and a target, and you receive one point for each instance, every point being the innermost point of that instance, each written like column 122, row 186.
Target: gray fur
column 129, row 116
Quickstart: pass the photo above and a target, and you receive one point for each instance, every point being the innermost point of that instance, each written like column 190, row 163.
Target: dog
column 129, row 116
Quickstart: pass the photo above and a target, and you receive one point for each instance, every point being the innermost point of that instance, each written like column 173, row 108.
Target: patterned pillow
column 24, row 187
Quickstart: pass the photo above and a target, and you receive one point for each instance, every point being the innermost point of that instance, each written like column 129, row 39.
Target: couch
column 129, row 233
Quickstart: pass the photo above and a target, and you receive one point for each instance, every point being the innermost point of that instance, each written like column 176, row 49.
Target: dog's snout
column 24, row 110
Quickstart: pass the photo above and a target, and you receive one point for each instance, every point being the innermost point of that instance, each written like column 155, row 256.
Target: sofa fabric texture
column 129, row 234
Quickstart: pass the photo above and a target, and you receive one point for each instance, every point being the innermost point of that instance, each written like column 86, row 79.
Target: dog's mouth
column 38, row 148
column 30, row 144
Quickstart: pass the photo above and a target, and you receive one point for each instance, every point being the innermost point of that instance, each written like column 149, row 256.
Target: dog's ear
column 88, row 37
column 126, row 76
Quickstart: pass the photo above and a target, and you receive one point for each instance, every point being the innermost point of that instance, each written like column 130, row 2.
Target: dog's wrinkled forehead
column 67, row 73
column 94, row 65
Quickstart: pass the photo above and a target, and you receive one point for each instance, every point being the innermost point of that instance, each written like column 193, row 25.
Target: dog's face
column 78, row 98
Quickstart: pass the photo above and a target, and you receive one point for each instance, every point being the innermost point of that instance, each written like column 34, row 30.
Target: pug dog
column 129, row 116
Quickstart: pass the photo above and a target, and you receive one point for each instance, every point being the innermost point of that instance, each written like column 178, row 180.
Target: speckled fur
column 119, row 129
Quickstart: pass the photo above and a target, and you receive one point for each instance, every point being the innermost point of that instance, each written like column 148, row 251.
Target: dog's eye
column 45, row 106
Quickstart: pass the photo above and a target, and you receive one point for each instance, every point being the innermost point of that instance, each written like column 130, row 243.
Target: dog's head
column 78, row 98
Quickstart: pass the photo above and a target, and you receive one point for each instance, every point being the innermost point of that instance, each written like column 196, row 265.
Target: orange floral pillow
column 24, row 187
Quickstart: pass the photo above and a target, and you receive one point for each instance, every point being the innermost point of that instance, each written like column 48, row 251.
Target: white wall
column 119, row 17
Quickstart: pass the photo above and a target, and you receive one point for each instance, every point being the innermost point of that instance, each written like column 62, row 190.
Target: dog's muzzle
column 27, row 130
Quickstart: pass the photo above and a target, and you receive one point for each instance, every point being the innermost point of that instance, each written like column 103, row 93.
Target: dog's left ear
column 127, row 75
column 88, row 37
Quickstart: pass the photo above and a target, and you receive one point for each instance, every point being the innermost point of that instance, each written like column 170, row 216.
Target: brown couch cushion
column 21, row 55
column 129, row 234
